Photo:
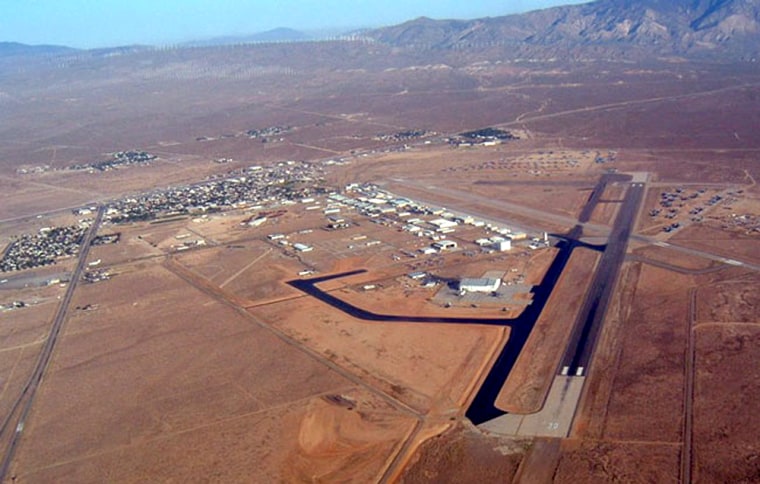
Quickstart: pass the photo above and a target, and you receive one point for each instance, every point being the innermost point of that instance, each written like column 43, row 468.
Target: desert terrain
column 182, row 346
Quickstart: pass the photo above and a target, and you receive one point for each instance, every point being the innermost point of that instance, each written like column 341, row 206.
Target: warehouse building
column 479, row 285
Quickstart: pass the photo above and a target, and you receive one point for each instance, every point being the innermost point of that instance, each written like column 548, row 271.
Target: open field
column 397, row 358
column 650, row 369
column 725, row 443
column 458, row 456
column 589, row 461
column 729, row 302
column 158, row 383
column 197, row 360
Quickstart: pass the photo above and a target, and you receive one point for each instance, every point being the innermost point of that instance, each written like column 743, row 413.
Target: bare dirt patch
column 423, row 365
column 649, row 376
column 464, row 454
column 155, row 384
column 718, row 241
column 729, row 302
column 306, row 440
column 725, row 440
column 592, row 461
column 254, row 270
column 16, row 366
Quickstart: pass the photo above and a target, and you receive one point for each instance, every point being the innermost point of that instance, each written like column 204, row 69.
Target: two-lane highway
column 13, row 425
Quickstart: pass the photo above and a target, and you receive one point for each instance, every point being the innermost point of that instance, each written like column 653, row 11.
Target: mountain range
column 603, row 29
column 13, row 49
column 633, row 28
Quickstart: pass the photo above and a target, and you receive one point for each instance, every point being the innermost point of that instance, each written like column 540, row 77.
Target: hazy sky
column 99, row 23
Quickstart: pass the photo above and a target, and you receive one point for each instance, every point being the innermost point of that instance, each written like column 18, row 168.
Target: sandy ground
column 729, row 302
column 650, row 369
column 423, row 365
column 254, row 271
column 717, row 241
column 459, row 456
column 133, row 388
column 590, row 461
column 726, row 448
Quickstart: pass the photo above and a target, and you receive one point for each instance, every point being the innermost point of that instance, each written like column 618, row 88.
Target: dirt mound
column 337, row 440
column 464, row 454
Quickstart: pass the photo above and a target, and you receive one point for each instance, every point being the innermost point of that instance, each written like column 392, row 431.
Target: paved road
column 688, row 397
column 541, row 215
column 674, row 268
column 13, row 425
column 583, row 338
column 596, row 194
column 696, row 252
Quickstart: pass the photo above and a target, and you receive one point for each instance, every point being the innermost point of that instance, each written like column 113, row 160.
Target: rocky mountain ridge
column 710, row 28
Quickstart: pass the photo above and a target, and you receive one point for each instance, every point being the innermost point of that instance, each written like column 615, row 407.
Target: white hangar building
column 479, row 285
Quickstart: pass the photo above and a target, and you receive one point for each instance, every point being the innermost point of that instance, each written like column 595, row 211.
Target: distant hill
column 13, row 49
column 275, row 35
column 280, row 35
column 665, row 27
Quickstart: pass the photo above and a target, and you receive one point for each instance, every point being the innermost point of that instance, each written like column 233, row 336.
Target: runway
column 586, row 330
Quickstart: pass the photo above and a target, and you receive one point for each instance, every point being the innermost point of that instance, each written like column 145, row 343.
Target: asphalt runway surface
column 579, row 350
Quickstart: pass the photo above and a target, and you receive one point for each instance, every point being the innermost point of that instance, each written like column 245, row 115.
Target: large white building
column 442, row 223
column 480, row 284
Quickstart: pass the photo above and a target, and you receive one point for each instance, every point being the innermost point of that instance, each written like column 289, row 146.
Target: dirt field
column 730, row 245
column 459, row 456
column 16, row 364
column 725, row 443
column 158, row 384
column 254, row 271
column 649, row 374
column 423, row 365
column 589, row 461
column 729, row 302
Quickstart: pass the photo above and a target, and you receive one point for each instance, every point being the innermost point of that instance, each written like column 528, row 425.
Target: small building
column 442, row 223
column 417, row 275
column 303, row 247
column 443, row 245
column 502, row 245
column 257, row 222
column 479, row 285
